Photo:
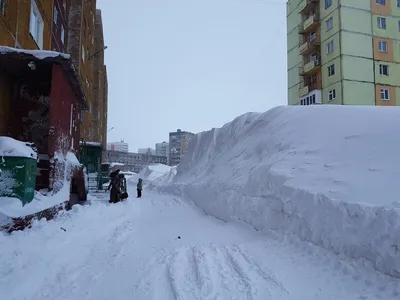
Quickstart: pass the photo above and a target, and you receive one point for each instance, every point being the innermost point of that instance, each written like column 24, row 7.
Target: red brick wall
column 61, row 124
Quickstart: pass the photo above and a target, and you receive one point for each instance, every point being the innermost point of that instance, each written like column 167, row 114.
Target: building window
column 385, row 94
column 36, row 25
column 381, row 22
column 329, row 24
column 83, row 53
column 329, row 47
column 398, row 3
column 399, row 24
column 382, row 45
column 332, row 95
column 384, row 70
column 331, row 70
column 62, row 34
column 381, row 2
column 328, row 3
column 55, row 14
column 3, row 7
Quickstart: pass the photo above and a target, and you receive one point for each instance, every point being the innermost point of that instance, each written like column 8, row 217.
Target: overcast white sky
column 190, row 64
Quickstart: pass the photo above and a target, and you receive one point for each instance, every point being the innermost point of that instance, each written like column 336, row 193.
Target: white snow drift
column 328, row 174
column 153, row 172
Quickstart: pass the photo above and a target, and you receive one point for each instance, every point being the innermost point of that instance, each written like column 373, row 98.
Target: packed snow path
column 160, row 247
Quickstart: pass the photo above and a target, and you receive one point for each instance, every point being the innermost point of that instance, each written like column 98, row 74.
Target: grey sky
column 190, row 64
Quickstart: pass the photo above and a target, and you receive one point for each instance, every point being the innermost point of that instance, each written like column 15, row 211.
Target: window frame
column 385, row 92
column 380, row 21
column 332, row 95
column 329, row 21
column 331, row 70
column 328, row 3
column 36, row 25
column 382, row 49
column 382, row 68
column 328, row 47
column 3, row 7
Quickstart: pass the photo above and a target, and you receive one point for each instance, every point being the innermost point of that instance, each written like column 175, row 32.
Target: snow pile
column 12, row 207
column 12, row 147
column 152, row 172
column 328, row 174
column 165, row 179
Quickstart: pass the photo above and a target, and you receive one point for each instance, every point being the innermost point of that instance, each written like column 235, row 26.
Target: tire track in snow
column 208, row 272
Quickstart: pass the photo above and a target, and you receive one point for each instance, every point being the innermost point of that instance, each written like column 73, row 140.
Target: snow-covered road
column 160, row 247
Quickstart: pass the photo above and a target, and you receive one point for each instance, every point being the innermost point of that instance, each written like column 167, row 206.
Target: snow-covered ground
column 256, row 210
column 162, row 247
column 328, row 174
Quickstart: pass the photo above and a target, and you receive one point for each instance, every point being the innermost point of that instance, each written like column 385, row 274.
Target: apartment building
column 26, row 24
column 343, row 52
column 134, row 162
column 81, row 46
column 162, row 149
column 99, row 111
column 178, row 145
column 118, row 146
column 60, row 24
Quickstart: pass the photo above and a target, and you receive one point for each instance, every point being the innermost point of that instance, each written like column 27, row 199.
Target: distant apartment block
column 148, row 150
column 118, row 146
column 162, row 149
column 343, row 52
column 178, row 145
column 134, row 162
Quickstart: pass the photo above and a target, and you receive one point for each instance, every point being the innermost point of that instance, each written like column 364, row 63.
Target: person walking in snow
column 139, row 188
column 115, row 185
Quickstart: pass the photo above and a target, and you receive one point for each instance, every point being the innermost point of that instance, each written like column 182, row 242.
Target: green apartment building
column 343, row 52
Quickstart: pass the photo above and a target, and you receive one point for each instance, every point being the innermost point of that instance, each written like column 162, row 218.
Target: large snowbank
column 12, row 147
column 328, row 174
column 153, row 172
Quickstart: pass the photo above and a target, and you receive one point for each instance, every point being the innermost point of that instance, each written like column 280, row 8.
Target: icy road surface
column 160, row 247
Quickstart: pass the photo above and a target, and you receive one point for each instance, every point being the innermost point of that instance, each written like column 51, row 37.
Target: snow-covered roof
column 39, row 54
column 15, row 148
column 16, row 62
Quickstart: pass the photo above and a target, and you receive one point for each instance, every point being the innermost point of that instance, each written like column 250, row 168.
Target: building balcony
column 311, row 45
column 307, row 6
column 303, row 90
column 310, row 67
column 309, row 24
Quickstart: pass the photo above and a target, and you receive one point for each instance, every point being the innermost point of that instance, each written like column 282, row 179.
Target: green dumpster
column 18, row 177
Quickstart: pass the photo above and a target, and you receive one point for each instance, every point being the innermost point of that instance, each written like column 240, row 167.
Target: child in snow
column 139, row 188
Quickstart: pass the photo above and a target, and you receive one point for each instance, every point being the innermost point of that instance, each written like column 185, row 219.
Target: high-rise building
column 343, row 52
column 178, row 145
column 118, row 146
column 162, row 149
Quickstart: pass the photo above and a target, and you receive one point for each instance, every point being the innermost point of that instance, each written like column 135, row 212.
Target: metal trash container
column 18, row 177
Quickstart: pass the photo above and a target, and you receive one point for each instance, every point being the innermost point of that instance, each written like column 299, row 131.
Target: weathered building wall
column 81, row 34
column 64, row 111
column 14, row 24
column 60, row 24
column 99, row 112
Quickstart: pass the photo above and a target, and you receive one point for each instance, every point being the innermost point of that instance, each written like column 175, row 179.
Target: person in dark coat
column 139, row 188
column 115, row 185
